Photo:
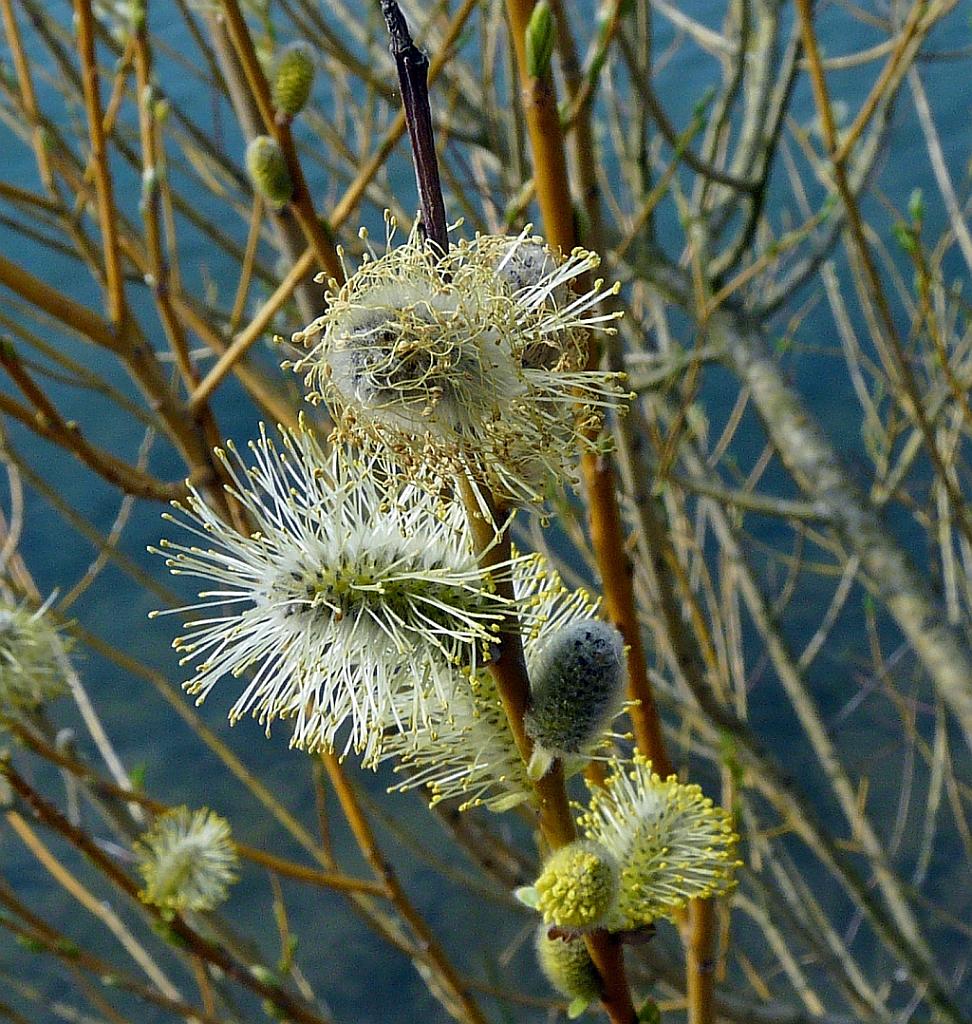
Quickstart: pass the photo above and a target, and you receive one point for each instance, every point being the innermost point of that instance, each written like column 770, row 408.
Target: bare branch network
column 616, row 519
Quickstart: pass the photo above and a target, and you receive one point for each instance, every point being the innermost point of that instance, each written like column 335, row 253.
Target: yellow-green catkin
column 672, row 843
column 31, row 660
column 188, row 860
column 267, row 167
column 578, row 886
column 293, row 78
column 568, row 967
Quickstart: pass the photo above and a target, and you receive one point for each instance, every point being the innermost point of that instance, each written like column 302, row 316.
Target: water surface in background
column 358, row 977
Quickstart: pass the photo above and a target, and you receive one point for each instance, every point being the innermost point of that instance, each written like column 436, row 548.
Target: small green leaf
column 649, row 1013
column 527, row 895
column 916, row 206
column 905, row 237
column 265, row 975
column 137, row 776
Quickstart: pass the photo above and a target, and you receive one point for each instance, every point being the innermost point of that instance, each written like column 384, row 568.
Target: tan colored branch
column 343, row 209
column 301, row 202
column 36, row 931
column 70, row 313
column 102, row 787
column 508, row 667
column 153, row 166
column 52, row 818
column 99, row 908
column 252, row 332
column 114, row 276
column 27, row 94
column 456, row 998
column 945, row 655
column 48, row 423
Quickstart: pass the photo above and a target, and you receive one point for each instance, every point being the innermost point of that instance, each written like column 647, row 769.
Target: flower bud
column 267, row 167
column 577, row 688
column 568, row 967
column 578, row 886
column 293, row 77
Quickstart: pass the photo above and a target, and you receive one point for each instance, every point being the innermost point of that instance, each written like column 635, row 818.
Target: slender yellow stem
column 900, row 365
column 605, row 522
column 488, row 524
column 97, row 907
column 107, row 214
column 52, row 301
column 343, row 209
column 48, row 423
column 364, row 836
column 33, row 929
column 279, row 127
column 27, row 94
column 252, row 332
column 214, row 954
column 152, row 168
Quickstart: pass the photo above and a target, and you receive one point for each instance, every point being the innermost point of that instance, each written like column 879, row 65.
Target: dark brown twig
column 413, row 71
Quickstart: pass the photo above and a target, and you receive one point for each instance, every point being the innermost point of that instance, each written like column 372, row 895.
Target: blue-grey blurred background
column 358, row 977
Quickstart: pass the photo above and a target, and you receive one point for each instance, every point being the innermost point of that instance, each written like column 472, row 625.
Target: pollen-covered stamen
column 353, row 602
column 402, row 352
column 32, row 659
column 466, row 752
column 472, row 363
column 578, row 886
column 672, row 843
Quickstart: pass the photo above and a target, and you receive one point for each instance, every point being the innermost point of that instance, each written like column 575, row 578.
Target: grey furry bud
column 577, row 688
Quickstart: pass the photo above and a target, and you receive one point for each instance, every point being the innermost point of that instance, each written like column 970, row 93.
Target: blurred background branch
column 782, row 532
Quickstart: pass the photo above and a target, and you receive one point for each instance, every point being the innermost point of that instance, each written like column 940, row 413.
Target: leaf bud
column 267, row 167
column 568, row 967
column 293, row 77
column 539, row 40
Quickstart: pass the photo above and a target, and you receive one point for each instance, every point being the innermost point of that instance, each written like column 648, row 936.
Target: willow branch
column 208, row 951
column 433, row 953
column 907, row 595
column 37, row 931
column 27, row 94
column 48, row 423
column 343, row 209
column 114, row 277
column 316, row 232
